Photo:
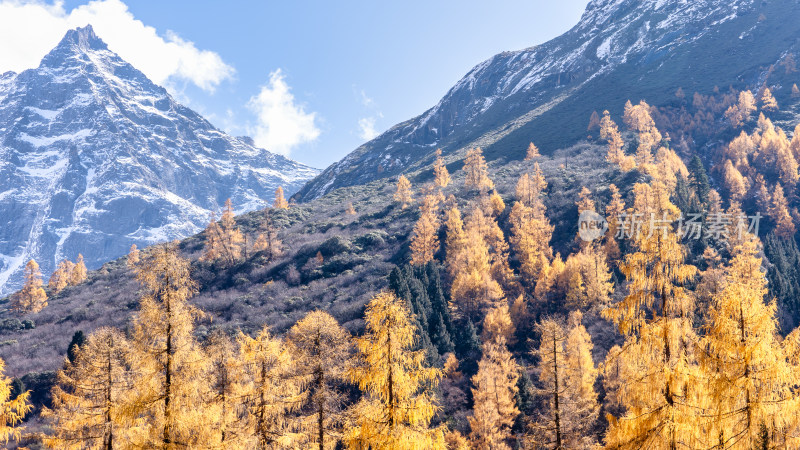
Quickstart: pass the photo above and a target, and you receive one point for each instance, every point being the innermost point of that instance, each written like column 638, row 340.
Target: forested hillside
column 637, row 290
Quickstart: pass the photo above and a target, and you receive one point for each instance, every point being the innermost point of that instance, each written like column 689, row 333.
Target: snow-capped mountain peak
column 95, row 157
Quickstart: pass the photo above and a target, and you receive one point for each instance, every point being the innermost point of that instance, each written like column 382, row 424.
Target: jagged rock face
column 620, row 49
column 95, row 157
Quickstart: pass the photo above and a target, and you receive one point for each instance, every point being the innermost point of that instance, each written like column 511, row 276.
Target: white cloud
column 366, row 125
column 31, row 28
column 366, row 128
column 282, row 123
column 366, row 100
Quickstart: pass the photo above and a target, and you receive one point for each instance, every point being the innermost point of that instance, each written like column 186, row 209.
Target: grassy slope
column 359, row 252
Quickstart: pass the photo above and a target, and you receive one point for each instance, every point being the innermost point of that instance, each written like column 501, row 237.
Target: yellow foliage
column 31, row 298
column 321, row 352
column 440, row 174
column 78, row 274
column 268, row 241
column 425, row 241
column 403, row 194
column 530, row 236
column 89, row 399
column 750, row 377
column 533, row 152
column 224, row 401
column 473, row 288
column 268, row 393
column 616, row 155
column 170, row 375
column 61, row 277
column 398, row 404
column 779, row 212
column 567, row 374
column 495, row 388
column 476, row 170
column 280, row 201
column 11, row 411
column 498, row 325
column 134, row 255
column 657, row 370
column 223, row 240
column 768, row 102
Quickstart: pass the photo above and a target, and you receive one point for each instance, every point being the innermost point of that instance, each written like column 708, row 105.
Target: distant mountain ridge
column 95, row 157
column 619, row 50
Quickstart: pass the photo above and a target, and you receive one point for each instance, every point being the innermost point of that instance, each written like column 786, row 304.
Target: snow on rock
column 94, row 157
column 513, row 84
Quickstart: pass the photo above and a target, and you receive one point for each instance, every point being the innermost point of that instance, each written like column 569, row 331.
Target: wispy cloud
column 366, row 128
column 367, row 125
column 282, row 124
column 29, row 29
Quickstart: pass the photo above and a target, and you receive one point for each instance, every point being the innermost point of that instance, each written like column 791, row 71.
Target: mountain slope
column 95, row 157
column 620, row 49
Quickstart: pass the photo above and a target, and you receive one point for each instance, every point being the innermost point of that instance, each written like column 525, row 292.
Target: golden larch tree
column 740, row 149
column 78, row 274
column 533, row 152
column 31, row 298
column 90, row 395
column 616, row 154
column 224, row 400
column 768, row 102
column 12, row 411
column 497, row 324
column 493, row 205
column 322, row 354
column 212, row 250
column 224, row 240
column 734, row 181
column 134, row 255
column 582, row 409
column 398, row 402
column 351, row 210
column 741, row 112
column 230, row 237
column 425, row 240
column 483, row 223
column 494, row 392
column 171, row 370
column 530, row 187
column 795, row 91
column 530, row 230
column 638, row 119
column 477, row 171
column 440, row 174
column 658, row 377
column 403, row 193
column 268, row 240
column 455, row 240
column 750, row 377
column 473, row 288
column 270, row 393
column 585, row 201
column 280, row 201
column 614, row 210
column 567, row 375
column 61, row 277
column 779, row 212
column 588, row 279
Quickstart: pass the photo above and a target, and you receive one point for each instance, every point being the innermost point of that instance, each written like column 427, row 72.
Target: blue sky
column 313, row 80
